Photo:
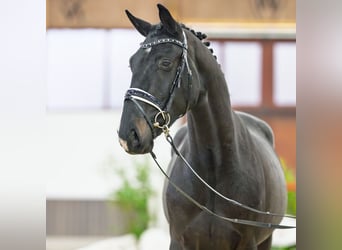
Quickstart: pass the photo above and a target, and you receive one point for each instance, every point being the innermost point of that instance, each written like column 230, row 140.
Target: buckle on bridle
column 165, row 116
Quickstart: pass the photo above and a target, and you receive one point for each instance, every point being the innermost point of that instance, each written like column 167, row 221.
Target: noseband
column 138, row 95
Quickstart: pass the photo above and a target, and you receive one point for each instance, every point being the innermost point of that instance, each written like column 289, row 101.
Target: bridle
column 137, row 95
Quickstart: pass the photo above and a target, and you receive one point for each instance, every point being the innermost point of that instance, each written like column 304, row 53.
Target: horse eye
column 165, row 63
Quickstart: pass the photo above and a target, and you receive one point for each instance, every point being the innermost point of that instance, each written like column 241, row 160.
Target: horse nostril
column 133, row 136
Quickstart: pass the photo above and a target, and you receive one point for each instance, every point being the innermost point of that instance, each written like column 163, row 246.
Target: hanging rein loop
column 204, row 208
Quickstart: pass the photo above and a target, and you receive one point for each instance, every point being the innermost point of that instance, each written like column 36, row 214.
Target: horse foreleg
column 266, row 244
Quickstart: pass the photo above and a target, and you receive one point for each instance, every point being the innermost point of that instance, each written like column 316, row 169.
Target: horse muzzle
column 137, row 138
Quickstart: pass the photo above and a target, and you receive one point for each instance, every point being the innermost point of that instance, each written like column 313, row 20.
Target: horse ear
column 142, row 26
column 167, row 20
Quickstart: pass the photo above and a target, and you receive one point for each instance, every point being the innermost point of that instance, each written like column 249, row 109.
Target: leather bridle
column 137, row 95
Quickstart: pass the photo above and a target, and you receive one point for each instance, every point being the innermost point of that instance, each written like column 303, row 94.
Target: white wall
column 88, row 69
column 285, row 74
column 83, row 151
column 22, row 130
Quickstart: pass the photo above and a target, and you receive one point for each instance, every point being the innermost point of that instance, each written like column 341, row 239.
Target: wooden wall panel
column 99, row 13
column 85, row 217
column 267, row 74
column 239, row 11
column 110, row 13
column 284, row 129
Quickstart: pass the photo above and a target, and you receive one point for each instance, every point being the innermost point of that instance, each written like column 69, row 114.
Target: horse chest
column 180, row 210
column 183, row 215
column 189, row 224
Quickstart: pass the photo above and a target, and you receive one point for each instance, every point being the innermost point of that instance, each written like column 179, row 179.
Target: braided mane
column 201, row 36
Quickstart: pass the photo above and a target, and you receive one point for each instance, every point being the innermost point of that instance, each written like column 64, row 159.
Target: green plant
column 133, row 196
column 284, row 248
column 291, row 193
column 291, row 202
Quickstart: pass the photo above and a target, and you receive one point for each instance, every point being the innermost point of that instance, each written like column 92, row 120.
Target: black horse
column 175, row 73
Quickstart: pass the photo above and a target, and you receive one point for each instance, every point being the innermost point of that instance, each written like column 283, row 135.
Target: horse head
column 161, row 83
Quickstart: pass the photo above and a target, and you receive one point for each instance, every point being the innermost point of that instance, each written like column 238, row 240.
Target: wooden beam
column 98, row 14
column 111, row 13
column 232, row 11
column 267, row 74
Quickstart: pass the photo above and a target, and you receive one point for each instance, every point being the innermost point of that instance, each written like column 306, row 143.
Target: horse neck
column 210, row 121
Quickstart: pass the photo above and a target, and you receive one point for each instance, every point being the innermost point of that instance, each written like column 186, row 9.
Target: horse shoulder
column 259, row 126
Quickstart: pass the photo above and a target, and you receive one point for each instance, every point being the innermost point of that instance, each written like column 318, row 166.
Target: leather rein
column 137, row 95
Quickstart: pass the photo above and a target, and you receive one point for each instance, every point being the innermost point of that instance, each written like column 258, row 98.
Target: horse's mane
column 201, row 36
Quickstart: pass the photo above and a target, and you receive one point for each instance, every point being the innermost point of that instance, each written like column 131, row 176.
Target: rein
column 204, row 208
column 137, row 95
